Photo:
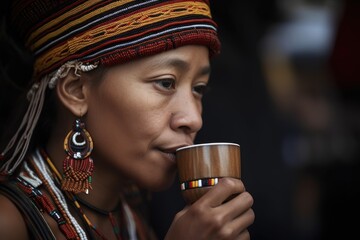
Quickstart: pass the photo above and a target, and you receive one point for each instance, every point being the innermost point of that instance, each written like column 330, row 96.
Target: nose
column 187, row 115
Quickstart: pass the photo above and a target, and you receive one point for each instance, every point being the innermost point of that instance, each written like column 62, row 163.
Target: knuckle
column 248, row 198
column 226, row 233
column 202, row 214
column 248, row 218
column 217, row 222
column 197, row 210
column 236, row 186
column 244, row 235
column 251, row 215
column 228, row 182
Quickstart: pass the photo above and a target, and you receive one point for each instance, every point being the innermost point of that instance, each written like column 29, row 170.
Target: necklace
column 96, row 209
column 76, row 201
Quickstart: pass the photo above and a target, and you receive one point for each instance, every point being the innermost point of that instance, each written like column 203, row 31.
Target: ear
column 71, row 92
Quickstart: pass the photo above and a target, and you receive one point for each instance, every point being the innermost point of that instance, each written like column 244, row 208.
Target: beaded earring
column 78, row 166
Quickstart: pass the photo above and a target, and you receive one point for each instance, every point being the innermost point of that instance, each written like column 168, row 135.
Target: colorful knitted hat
column 65, row 34
column 109, row 32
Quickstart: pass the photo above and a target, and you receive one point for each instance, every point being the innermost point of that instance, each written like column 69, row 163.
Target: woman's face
column 142, row 111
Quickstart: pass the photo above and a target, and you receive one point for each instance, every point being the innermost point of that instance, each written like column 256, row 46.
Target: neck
column 106, row 190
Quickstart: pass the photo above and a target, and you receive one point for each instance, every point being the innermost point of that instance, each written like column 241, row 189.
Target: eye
column 167, row 84
column 200, row 89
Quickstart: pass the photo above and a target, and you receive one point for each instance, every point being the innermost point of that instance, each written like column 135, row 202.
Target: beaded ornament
column 78, row 166
column 198, row 183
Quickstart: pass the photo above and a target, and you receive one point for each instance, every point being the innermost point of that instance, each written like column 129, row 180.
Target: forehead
column 190, row 60
column 181, row 58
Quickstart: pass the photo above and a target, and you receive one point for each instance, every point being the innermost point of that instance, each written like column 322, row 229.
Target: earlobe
column 71, row 93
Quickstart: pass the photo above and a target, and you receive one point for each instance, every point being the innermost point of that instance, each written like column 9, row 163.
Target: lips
column 170, row 152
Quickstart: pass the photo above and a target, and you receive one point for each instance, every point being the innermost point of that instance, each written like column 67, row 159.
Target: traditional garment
column 35, row 191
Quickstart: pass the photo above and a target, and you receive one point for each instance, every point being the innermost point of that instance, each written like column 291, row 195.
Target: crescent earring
column 78, row 166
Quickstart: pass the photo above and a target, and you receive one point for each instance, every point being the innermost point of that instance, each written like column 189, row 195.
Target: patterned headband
column 68, row 34
column 110, row 32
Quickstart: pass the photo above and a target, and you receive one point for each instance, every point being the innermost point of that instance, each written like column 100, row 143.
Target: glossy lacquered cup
column 201, row 166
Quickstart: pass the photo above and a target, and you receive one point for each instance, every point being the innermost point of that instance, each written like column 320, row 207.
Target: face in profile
column 142, row 111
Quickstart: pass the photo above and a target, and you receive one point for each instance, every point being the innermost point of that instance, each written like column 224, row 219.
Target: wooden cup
column 200, row 166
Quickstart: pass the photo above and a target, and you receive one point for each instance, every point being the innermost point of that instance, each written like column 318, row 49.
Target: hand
column 214, row 216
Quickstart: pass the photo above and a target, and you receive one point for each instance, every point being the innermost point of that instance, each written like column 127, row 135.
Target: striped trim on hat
column 112, row 32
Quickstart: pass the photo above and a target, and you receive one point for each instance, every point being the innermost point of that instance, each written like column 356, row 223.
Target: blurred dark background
column 286, row 88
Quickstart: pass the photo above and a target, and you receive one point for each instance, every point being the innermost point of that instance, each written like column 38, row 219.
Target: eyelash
column 200, row 89
column 169, row 84
column 161, row 82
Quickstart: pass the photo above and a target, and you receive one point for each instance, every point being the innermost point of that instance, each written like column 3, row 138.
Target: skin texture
column 148, row 109
column 12, row 225
column 138, row 114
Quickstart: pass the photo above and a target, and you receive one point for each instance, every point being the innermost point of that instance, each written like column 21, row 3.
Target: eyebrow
column 179, row 64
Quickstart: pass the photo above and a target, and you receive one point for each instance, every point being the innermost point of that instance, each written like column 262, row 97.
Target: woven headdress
column 66, row 34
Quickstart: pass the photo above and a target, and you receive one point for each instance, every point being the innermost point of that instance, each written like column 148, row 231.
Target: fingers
column 236, row 229
column 226, row 188
column 244, row 235
column 231, row 217
column 240, row 224
column 219, row 216
column 234, row 217
column 237, row 205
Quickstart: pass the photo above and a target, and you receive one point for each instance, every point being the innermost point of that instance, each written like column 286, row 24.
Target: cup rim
column 207, row 144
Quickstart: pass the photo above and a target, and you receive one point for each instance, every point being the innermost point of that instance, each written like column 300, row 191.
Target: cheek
column 124, row 127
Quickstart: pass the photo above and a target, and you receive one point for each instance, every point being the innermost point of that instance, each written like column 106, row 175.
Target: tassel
column 78, row 166
column 77, row 175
